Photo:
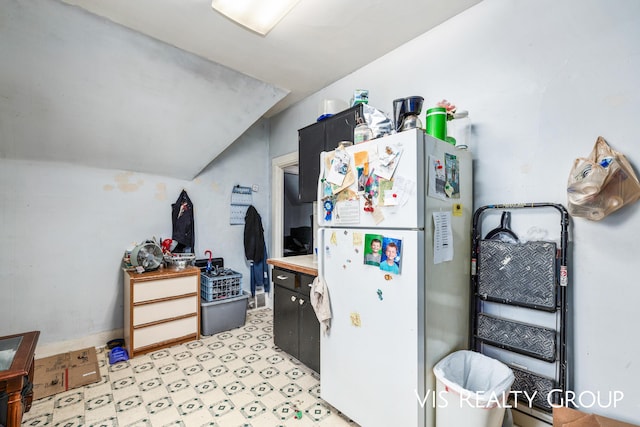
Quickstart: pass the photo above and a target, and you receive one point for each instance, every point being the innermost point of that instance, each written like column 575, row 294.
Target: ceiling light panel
column 259, row 16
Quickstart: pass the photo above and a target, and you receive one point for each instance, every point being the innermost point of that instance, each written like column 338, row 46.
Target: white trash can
column 472, row 390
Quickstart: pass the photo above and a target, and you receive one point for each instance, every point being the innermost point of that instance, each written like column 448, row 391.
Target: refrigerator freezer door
column 372, row 360
column 396, row 203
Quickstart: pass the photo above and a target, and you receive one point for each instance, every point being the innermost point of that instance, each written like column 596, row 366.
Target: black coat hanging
column 253, row 235
column 183, row 223
column 255, row 250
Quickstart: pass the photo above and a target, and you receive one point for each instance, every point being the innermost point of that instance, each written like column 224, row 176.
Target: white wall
column 541, row 81
column 65, row 228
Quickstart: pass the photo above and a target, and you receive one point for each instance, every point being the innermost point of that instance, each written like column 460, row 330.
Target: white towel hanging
column 321, row 303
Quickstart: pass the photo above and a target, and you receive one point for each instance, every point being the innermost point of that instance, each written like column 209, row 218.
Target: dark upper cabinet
column 322, row 136
column 310, row 145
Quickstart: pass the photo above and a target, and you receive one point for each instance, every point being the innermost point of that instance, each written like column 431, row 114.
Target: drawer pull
column 293, row 299
column 282, row 277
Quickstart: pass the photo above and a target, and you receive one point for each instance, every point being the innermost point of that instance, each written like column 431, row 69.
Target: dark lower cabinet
column 296, row 329
column 285, row 320
column 309, row 336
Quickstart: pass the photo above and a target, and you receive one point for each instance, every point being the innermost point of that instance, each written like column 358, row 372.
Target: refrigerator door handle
column 320, row 254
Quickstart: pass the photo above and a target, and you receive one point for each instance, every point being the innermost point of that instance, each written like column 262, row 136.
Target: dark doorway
column 298, row 220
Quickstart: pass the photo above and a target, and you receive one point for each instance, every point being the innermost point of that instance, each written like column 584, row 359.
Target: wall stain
column 161, row 191
column 123, row 184
column 108, row 187
column 617, row 100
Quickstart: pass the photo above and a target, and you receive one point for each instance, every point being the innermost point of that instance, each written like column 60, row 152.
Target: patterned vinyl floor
column 236, row 378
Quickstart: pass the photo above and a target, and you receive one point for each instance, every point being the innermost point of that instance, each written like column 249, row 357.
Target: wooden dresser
column 161, row 308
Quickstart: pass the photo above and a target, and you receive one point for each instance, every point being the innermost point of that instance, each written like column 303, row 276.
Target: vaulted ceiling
column 164, row 86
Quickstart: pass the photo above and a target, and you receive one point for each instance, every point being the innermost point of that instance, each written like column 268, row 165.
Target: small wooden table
column 16, row 372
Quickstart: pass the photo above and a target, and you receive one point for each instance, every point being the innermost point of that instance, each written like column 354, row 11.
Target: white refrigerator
column 394, row 316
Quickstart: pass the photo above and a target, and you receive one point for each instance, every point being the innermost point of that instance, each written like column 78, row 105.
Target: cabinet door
column 285, row 320
column 305, row 281
column 340, row 127
column 309, row 335
column 310, row 145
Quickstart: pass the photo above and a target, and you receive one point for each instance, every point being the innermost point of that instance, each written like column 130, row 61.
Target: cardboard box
column 566, row 417
column 66, row 371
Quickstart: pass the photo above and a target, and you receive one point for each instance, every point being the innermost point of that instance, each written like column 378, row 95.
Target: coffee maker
column 406, row 112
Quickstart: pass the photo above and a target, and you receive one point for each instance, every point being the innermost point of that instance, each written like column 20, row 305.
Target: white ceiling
column 317, row 43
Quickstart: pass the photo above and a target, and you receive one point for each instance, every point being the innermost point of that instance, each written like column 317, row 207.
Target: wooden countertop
column 306, row 264
column 163, row 273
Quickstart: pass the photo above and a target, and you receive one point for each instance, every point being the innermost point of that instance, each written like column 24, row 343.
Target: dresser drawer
column 168, row 331
column 147, row 313
column 156, row 289
column 284, row 278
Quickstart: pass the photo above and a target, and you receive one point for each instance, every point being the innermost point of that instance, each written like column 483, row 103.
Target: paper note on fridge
column 403, row 188
column 339, row 167
column 348, row 212
column 388, row 158
column 357, row 239
column 390, row 198
column 442, row 237
column 361, row 159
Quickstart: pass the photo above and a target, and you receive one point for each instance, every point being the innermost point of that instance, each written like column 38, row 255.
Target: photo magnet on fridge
column 361, row 160
column 391, row 255
column 373, row 249
column 362, row 178
column 452, row 174
column 339, row 167
column 444, row 177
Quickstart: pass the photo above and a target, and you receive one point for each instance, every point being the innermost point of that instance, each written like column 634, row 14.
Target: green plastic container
column 437, row 122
